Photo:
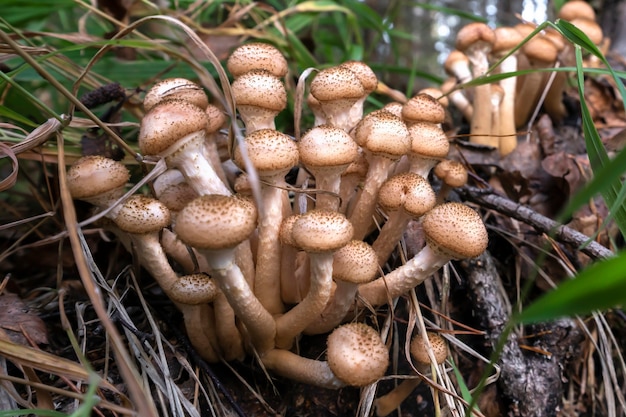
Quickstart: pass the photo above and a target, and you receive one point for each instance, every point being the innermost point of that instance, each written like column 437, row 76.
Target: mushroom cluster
column 253, row 275
column 497, row 110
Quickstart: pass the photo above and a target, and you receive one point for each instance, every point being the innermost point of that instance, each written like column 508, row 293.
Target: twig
column 489, row 199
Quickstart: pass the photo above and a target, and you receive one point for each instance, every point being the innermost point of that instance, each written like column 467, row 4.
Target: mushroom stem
column 199, row 322
column 258, row 321
column 297, row 368
column 387, row 403
column 293, row 322
column 425, row 263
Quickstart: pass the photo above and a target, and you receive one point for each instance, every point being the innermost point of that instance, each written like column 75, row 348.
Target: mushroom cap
column 326, row 146
column 455, row 230
column 574, row 9
column 337, row 83
column 383, row 133
column 475, row 35
column 141, row 214
column 216, row 222
column 507, row 38
column 540, row 51
column 407, row 191
column 173, row 190
column 451, row 172
column 270, row 151
column 259, row 88
column 437, row 94
column 193, row 289
column 356, row 354
column 257, row 55
column 419, row 352
column 394, row 107
column 285, row 234
column 175, row 88
column 94, row 175
column 428, row 141
column 216, row 118
column 364, row 73
column 168, row 122
column 321, row 230
column 423, row 108
column 356, row 262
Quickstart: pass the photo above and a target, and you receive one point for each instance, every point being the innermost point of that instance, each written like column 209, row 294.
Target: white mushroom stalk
column 319, row 233
column 176, row 131
column 273, row 154
column 452, row 231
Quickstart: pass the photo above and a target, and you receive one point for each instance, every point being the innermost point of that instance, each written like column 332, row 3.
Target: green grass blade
column 600, row 286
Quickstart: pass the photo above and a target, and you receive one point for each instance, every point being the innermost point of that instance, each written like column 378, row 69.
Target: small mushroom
column 259, row 97
column 326, row 151
column 337, row 89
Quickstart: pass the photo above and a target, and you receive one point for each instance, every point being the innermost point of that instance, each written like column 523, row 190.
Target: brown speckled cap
column 141, row 214
column 168, row 122
column 216, row 222
column 256, row 55
column 419, row 352
column 94, row 175
column 455, row 230
column 356, row 354
column 321, row 231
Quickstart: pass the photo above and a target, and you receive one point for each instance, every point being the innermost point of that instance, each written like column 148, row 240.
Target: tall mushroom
column 319, row 233
column 476, row 40
column 215, row 225
column 273, row 154
column 384, row 139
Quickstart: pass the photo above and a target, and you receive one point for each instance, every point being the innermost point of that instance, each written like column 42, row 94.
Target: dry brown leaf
column 20, row 324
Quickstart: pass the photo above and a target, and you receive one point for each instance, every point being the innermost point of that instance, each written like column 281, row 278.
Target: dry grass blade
column 47, row 362
column 142, row 401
